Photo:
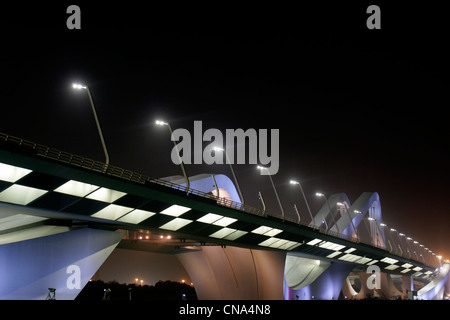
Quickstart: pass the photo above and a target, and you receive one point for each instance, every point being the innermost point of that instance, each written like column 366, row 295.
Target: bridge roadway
column 45, row 188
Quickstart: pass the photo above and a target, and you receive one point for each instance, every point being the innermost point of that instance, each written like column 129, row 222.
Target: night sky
column 358, row 110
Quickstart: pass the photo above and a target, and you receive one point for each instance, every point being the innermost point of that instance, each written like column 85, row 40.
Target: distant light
column 218, row 149
column 169, row 237
column 371, row 219
column 408, row 238
column 160, row 123
column 439, row 257
column 318, row 194
column 294, row 182
column 260, row 167
column 383, row 225
column 356, row 211
column 401, row 234
column 392, row 229
column 78, row 86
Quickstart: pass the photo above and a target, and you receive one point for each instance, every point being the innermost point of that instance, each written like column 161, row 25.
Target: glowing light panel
column 106, row 195
column 136, row 216
column 112, row 212
column 18, row 194
column 12, row 173
column 175, row 210
column 76, row 188
column 175, row 224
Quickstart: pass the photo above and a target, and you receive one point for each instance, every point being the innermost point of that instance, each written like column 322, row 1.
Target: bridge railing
column 98, row 166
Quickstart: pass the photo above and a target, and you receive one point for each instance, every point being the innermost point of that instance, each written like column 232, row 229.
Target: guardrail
column 98, row 166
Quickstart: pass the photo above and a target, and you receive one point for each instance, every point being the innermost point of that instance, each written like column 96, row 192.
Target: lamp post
column 80, row 87
column 232, row 172
column 162, row 123
column 275, row 190
column 304, row 197
column 318, row 194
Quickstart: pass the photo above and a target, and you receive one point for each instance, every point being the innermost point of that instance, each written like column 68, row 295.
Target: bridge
column 62, row 215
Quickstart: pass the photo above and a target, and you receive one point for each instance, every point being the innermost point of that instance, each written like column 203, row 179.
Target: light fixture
column 19, row 194
column 136, row 216
column 76, row 188
column 12, row 173
column 78, row 86
column 175, row 210
column 175, row 224
column 161, row 123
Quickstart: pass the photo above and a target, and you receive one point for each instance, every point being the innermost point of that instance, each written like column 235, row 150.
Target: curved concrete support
column 235, row 273
column 435, row 289
column 65, row 261
column 300, row 272
column 326, row 287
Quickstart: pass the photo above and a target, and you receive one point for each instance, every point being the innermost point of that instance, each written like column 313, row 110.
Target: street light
column 318, row 194
column 162, row 123
column 274, row 189
column 306, row 201
column 80, row 87
column 217, row 149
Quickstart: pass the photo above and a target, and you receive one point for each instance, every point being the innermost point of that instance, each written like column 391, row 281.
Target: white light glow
column 175, row 210
column 331, row 246
column 12, row 173
column 106, row 195
column 392, row 267
column 389, row 260
column 78, row 86
column 262, row 230
column 269, row 242
column 407, row 265
column 234, row 235
column 334, row 254
column 350, row 257
column 18, row 194
column 417, row 268
column 76, row 188
column 112, row 212
column 222, row 233
column 175, row 224
column 350, row 250
column 405, row 270
column 210, row 218
column 314, row 242
column 225, row 221
column 136, row 216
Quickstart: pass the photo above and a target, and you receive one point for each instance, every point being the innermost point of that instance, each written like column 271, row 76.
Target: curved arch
column 350, row 216
column 324, row 214
column 205, row 183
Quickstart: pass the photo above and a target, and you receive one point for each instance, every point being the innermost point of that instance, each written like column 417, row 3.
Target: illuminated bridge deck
column 63, row 188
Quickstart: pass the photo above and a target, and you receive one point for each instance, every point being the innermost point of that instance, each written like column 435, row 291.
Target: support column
column 235, row 273
column 407, row 285
column 64, row 261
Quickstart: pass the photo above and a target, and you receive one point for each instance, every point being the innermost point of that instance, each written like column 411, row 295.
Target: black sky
column 358, row 110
